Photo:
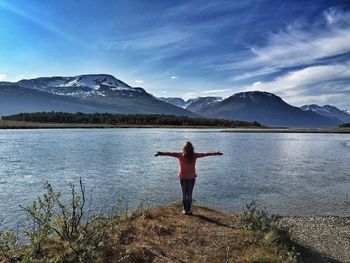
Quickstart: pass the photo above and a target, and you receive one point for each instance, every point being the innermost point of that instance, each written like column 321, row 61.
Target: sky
column 299, row 50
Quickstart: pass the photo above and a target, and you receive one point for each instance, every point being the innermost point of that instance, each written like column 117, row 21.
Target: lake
column 289, row 174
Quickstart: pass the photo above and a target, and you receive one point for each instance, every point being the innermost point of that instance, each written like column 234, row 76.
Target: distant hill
column 179, row 102
column 85, row 93
column 191, row 104
column 347, row 111
column 265, row 108
column 14, row 99
column 104, row 93
column 329, row 111
column 195, row 104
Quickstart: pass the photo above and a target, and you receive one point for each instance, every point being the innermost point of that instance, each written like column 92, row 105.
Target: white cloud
column 335, row 15
column 174, row 77
column 256, row 73
column 2, row 77
column 139, row 81
column 216, row 91
column 317, row 84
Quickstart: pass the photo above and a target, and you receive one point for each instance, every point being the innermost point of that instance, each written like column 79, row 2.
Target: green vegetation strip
column 112, row 120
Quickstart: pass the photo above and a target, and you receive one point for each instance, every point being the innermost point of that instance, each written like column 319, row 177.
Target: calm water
column 296, row 174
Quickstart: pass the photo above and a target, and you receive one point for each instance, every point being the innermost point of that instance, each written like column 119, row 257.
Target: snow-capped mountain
column 90, row 85
column 265, row 108
column 96, row 81
column 191, row 104
column 329, row 111
column 179, row 102
column 199, row 102
column 347, row 111
column 105, row 91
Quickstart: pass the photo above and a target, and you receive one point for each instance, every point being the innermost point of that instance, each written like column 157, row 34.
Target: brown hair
column 188, row 152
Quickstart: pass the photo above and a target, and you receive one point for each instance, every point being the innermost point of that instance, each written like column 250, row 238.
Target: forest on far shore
column 125, row 119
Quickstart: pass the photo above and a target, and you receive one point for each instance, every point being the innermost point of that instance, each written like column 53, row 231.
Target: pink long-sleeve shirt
column 187, row 170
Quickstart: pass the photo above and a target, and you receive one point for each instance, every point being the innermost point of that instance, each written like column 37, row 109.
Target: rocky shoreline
column 323, row 238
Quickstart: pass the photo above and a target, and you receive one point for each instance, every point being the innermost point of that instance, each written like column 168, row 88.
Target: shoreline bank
column 163, row 234
column 12, row 125
column 40, row 125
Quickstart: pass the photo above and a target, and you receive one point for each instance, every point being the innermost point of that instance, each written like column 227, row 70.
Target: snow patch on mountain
column 328, row 110
column 95, row 81
column 252, row 94
column 202, row 101
column 179, row 102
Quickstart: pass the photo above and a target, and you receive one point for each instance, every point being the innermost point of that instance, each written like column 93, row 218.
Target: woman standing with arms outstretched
column 187, row 171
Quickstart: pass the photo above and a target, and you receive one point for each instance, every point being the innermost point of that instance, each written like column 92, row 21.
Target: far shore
column 289, row 130
column 47, row 125
column 246, row 129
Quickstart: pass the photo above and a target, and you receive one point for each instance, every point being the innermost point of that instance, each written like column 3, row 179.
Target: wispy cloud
column 160, row 38
column 139, row 81
column 298, row 44
column 174, row 77
column 216, row 91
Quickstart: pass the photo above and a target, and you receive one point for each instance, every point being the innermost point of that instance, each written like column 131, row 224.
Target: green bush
column 253, row 219
column 8, row 242
column 71, row 222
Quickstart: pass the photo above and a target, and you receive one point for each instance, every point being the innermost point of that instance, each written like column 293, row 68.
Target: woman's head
column 188, row 151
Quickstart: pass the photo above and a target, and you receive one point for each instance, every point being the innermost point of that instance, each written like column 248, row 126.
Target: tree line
column 125, row 119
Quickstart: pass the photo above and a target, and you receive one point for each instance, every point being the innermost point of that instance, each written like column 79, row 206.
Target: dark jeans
column 187, row 189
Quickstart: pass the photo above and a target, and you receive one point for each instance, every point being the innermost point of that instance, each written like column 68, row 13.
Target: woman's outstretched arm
column 172, row 154
column 200, row 155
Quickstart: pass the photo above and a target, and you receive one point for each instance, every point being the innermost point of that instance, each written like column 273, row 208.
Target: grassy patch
column 68, row 232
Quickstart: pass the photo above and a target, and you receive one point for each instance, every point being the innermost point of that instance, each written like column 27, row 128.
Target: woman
column 187, row 171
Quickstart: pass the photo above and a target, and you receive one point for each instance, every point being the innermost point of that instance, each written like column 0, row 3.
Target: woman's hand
column 219, row 153
column 157, row 154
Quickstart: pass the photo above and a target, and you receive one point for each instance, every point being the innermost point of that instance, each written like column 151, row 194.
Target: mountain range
column 105, row 93
column 329, row 111
column 85, row 93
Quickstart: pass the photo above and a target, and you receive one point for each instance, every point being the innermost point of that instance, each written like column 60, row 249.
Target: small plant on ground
column 8, row 243
column 41, row 215
column 70, row 221
column 251, row 218
column 268, row 233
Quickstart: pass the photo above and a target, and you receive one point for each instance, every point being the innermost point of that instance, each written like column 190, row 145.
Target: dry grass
column 165, row 235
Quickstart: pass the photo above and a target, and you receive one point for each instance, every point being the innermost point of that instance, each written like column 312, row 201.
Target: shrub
column 8, row 242
column 71, row 222
column 251, row 218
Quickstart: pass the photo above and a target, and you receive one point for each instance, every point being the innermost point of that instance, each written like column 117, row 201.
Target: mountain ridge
column 110, row 94
column 104, row 92
column 266, row 108
column 328, row 110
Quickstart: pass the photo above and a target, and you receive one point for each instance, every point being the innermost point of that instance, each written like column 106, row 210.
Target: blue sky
column 299, row 50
